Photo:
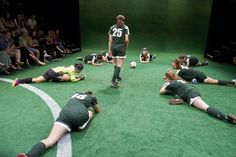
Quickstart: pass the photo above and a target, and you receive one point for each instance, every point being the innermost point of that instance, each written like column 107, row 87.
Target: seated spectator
column 2, row 28
column 25, row 42
column 42, row 40
column 52, row 47
column 32, row 23
column 35, row 44
column 60, row 45
column 12, row 50
column 5, row 62
column 8, row 22
column 20, row 22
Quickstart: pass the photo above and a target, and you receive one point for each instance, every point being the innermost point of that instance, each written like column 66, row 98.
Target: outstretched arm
column 163, row 89
column 96, row 108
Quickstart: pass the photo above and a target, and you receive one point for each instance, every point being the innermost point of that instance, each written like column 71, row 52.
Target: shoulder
column 113, row 26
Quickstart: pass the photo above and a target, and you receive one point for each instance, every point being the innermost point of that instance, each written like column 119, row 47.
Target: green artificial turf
column 134, row 120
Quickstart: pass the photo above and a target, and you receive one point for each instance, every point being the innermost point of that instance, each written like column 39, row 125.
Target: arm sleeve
column 127, row 30
column 168, row 86
column 94, row 101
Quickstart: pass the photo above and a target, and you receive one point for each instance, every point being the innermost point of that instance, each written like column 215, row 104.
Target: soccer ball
column 133, row 65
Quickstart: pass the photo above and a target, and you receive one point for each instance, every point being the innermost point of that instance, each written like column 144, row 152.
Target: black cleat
column 80, row 58
column 118, row 79
column 82, row 77
column 114, row 84
column 231, row 118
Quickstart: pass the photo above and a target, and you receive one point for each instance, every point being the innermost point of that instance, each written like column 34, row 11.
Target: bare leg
column 200, row 104
column 211, row 81
column 119, row 62
column 219, row 82
column 65, row 77
column 36, row 59
column 39, row 79
column 56, row 133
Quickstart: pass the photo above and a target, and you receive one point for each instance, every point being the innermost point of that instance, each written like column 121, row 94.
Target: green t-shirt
column 118, row 34
column 185, row 90
column 189, row 74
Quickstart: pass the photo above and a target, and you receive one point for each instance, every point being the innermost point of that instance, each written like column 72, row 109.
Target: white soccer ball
column 133, row 64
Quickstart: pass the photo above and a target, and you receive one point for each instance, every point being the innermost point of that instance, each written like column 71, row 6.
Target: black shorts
column 118, row 51
column 192, row 94
column 52, row 75
column 74, row 119
column 201, row 77
column 193, row 61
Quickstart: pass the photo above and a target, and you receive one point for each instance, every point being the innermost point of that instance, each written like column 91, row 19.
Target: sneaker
column 118, row 79
column 82, row 77
column 21, row 155
column 231, row 118
column 176, row 101
column 80, row 58
column 16, row 82
column 114, row 84
column 205, row 63
column 154, row 56
column 234, row 80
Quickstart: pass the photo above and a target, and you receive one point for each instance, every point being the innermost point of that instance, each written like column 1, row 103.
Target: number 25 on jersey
column 117, row 32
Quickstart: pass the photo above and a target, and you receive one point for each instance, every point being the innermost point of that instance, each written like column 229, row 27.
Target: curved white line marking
column 64, row 144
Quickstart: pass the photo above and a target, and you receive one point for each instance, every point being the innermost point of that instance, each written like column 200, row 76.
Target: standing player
column 190, row 94
column 117, row 45
column 57, row 74
column 145, row 56
column 75, row 115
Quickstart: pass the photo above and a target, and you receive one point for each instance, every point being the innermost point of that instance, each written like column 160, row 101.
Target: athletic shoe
column 234, row 80
column 154, row 56
column 80, row 58
column 114, row 84
column 231, row 118
column 21, row 155
column 176, row 101
column 118, row 79
column 82, row 77
column 205, row 63
column 16, row 82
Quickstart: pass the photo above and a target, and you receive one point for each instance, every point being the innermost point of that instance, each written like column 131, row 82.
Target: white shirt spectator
column 32, row 22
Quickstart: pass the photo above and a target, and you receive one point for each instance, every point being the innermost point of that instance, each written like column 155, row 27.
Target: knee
column 48, row 142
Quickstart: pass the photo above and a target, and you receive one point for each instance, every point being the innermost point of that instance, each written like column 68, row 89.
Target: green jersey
column 185, row 90
column 191, row 60
column 189, row 74
column 75, row 112
column 91, row 57
column 118, row 34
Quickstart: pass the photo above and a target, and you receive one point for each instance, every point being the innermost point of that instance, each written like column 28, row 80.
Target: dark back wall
column 161, row 25
column 221, row 43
